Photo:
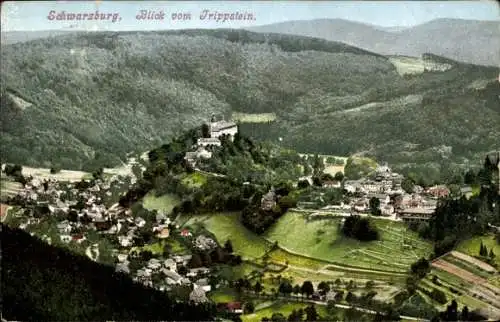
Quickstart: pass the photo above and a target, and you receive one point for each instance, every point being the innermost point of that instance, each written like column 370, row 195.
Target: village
column 85, row 216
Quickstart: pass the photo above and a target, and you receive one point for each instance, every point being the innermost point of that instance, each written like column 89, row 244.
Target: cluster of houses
column 82, row 210
column 65, row 199
column 170, row 274
column 202, row 150
column 393, row 200
column 385, row 186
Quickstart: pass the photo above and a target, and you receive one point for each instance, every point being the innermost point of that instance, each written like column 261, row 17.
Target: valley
column 316, row 170
column 184, row 219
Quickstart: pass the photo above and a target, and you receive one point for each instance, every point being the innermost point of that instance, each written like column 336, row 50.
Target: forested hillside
column 91, row 98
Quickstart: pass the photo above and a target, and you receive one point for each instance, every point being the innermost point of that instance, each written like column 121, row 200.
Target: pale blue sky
column 33, row 15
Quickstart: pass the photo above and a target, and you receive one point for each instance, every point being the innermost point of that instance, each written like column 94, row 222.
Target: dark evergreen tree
column 311, row 313
column 465, row 314
column 323, row 287
column 307, row 288
column 258, row 287
column 228, row 246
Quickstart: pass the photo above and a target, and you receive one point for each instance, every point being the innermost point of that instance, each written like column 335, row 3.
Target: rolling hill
column 91, row 98
column 469, row 41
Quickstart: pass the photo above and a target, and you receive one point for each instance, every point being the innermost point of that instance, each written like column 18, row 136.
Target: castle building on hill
column 204, row 146
column 219, row 128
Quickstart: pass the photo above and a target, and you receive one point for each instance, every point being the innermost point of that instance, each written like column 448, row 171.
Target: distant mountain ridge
column 470, row 41
column 12, row 37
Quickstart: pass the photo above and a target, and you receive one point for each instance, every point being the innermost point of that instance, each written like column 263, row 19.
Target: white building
column 125, row 241
column 170, row 264
column 208, row 141
column 220, row 128
column 198, row 295
column 201, row 153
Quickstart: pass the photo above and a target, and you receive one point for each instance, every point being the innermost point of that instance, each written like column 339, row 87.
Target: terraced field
column 9, row 188
column 467, row 280
column 316, row 261
column 321, row 239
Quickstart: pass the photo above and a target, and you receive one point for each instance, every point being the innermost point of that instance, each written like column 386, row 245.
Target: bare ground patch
column 482, row 265
column 460, row 272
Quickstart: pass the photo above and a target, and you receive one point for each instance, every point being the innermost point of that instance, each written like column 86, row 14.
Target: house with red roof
column 185, row 233
column 231, row 307
column 78, row 238
column 438, row 191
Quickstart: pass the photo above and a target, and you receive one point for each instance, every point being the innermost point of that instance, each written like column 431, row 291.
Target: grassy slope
column 295, row 234
column 138, row 79
column 282, row 307
column 227, row 226
column 322, row 239
column 471, row 246
column 163, row 203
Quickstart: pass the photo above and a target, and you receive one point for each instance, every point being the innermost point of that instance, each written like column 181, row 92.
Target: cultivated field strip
column 484, row 266
column 455, row 270
column 481, row 288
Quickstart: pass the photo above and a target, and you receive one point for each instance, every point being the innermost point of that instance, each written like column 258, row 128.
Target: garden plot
column 9, row 188
column 253, row 117
column 467, row 266
column 455, row 270
column 481, row 288
column 495, row 280
column 63, row 175
column 407, row 65
column 482, row 265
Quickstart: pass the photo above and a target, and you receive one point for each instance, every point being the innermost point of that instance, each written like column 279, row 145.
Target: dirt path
column 340, row 214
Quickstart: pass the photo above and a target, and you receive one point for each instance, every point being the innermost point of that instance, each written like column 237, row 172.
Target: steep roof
column 222, row 125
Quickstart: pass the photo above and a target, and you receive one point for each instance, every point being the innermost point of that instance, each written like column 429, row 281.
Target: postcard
column 250, row 160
